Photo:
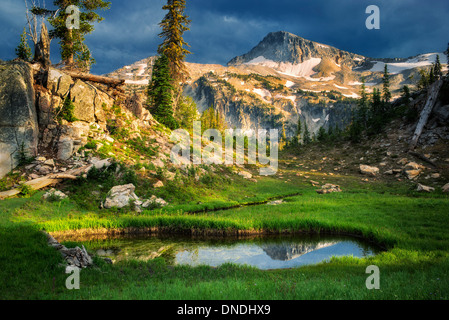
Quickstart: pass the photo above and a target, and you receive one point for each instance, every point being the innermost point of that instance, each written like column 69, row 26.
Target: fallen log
column 56, row 178
column 35, row 184
column 64, row 176
column 431, row 100
column 93, row 78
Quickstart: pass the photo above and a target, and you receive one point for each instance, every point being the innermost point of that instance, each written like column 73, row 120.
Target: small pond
column 268, row 252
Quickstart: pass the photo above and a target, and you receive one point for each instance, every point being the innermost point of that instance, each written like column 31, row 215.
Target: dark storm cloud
column 223, row 29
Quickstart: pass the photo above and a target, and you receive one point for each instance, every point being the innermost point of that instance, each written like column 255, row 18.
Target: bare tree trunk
column 42, row 49
column 70, row 60
column 32, row 23
column 431, row 100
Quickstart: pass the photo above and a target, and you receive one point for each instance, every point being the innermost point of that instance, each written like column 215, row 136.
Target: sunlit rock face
column 18, row 117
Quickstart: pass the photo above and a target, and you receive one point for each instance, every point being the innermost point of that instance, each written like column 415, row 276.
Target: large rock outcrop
column 89, row 104
column 18, row 118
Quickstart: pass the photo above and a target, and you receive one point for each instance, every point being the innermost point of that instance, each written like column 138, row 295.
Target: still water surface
column 274, row 252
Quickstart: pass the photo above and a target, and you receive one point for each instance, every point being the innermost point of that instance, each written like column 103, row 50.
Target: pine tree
column 432, row 77
column 363, row 105
column 186, row 113
column 447, row 52
column 23, row 51
column 423, row 82
column 437, row 69
column 283, row 143
column 331, row 133
column 174, row 24
column 411, row 113
column 160, row 91
column 298, row 135
column 406, row 95
column 386, row 86
column 211, row 119
column 322, row 135
column 377, row 119
column 73, row 50
column 66, row 111
column 307, row 138
column 355, row 129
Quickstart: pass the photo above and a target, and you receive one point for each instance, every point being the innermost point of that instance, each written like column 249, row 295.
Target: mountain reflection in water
column 263, row 253
column 288, row 251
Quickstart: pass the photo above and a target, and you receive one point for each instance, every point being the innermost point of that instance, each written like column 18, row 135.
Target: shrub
column 22, row 156
column 65, row 112
column 26, row 191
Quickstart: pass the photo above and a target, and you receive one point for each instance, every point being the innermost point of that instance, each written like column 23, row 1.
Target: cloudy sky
column 223, row 29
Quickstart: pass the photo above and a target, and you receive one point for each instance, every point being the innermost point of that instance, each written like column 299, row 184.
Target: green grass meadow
column 412, row 228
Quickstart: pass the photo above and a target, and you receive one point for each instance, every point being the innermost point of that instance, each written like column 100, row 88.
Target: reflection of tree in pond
column 289, row 251
column 142, row 250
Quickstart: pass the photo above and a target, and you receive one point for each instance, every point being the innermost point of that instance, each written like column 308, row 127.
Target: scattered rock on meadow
column 275, row 203
column 158, row 184
column 423, row 188
column 314, row 183
column 412, row 174
column 170, row 176
column 54, row 193
column 120, row 196
column 100, row 164
column 329, row 188
column 245, row 175
column 414, row 166
column 155, row 201
column 367, row 170
column 77, row 257
column 44, row 170
column 158, row 163
column 446, row 188
column 49, row 162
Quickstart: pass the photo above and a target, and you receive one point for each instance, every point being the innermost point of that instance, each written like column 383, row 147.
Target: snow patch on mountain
column 263, row 93
column 289, row 84
column 353, row 95
column 304, row 69
column 419, row 61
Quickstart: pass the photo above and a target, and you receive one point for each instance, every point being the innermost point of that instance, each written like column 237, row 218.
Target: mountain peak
column 286, row 47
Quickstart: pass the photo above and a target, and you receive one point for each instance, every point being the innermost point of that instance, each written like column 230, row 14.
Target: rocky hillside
column 61, row 120
column 284, row 78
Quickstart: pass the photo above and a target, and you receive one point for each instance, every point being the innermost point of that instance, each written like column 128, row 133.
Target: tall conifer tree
column 438, row 73
column 386, row 86
column 23, row 51
column 160, row 90
column 174, row 24
column 74, row 52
